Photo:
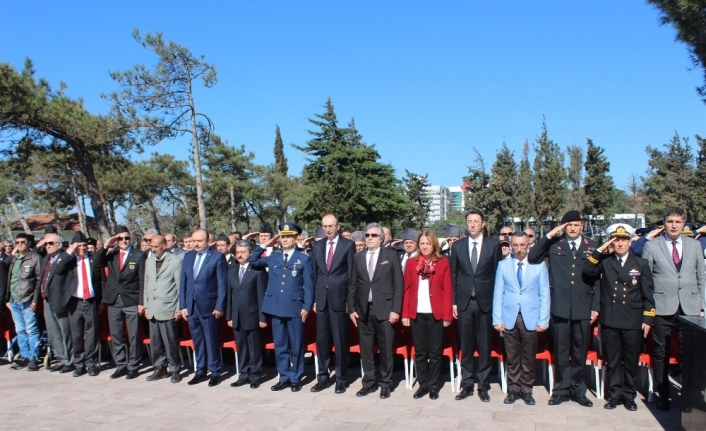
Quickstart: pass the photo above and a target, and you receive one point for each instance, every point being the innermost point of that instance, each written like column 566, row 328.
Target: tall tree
column 598, row 187
column 282, row 187
column 524, row 201
column 549, row 178
column 575, row 176
column 415, row 189
column 698, row 212
column 503, row 186
column 478, row 178
column 636, row 195
column 161, row 102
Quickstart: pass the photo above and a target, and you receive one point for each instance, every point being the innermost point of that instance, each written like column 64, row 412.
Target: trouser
column 332, row 328
column 249, row 344
column 661, row 350
column 83, row 319
column 204, row 333
column 427, row 336
column 164, row 344
column 288, row 336
column 622, row 348
column 119, row 316
column 59, row 333
column 26, row 328
column 476, row 331
column 369, row 330
column 520, row 354
column 571, row 339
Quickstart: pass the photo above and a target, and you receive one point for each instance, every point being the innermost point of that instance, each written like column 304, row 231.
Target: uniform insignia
column 634, row 273
column 634, row 281
column 27, row 268
column 650, row 313
column 132, row 265
column 294, row 273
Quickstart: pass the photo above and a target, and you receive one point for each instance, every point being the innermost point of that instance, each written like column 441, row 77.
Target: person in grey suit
column 677, row 266
column 160, row 305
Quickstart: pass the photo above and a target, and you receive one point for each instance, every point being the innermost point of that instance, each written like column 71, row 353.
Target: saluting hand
column 604, row 247
column 554, row 232
column 251, row 235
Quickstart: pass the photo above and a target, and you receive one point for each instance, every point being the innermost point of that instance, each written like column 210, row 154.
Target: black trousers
column 332, row 328
column 164, row 344
column 119, row 316
column 370, row 330
column 622, row 347
column 520, row 350
column 249, row 344
column 427, row 336
column 661, row 350
column 571, row 338
column 476, row 332
column 83, row 319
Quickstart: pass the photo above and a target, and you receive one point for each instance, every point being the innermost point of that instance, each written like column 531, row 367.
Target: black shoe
column 176, row 377
column 280, row 386
column 198, row 378
column 67, row 369
column 421, row 392
column 319, row 386
column 119, row 372
column 366, row 390
column 214, row 381
column 630, row 405
column 19, row 364
column 55, row 368
column 93, row 371
column 663, row 404
column 79, row 371
column 465, row 393
column 511, row 397
column 254, row 385
column 583, row 401
column 296, row 387
column 159, row 373
column 132, row 374
column 555, row 400
column 483, row 395
column 433, row 394
column 238, row 383
column 529, row 399
column 612, row 403
column 32, row 365
column 384, row 393
column 340, row 388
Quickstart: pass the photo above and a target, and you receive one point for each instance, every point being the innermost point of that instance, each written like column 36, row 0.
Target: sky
column 425, row 81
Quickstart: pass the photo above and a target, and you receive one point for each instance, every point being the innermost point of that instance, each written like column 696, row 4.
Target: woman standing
column 427, row 309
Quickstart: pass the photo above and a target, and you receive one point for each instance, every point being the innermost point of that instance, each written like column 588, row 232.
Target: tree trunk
column 79, row 208
column 155, row 216
column 18, row 214
column 85, row 165
column 233, row 221
column 197, row 161
column 59, row 229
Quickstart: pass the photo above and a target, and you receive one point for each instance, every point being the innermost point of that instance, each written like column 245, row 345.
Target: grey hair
column 151, row 232
column 59, row 237
column 244, row 243
column 358, row 235
column 376, row 225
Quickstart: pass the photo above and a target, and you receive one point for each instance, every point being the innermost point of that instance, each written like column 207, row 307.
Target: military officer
column 627, row 311
column 288, row 300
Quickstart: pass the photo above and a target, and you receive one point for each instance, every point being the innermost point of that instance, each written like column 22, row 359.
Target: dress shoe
column 280, row 385
column 612, row 403
column 511, row 398
column 214, row 381
column 296, row 387
column 465, row 393
column 662, row 404
column 238, row 383
column 555, row 399
column 132, row 374
column 32, row 365
column 176, row 377
column 319, row 386
column 67, row 369
column 159, row 373
column 198, row 378
column 254, row 385
column 79, row 371
column 529, row 399
column 384, row 393
column 483, row 395
column 93, row 371
column 120, row 372
column 630, row 405
column 366, row 390
column 421, row 392
column 583, row 401
column 340, row 388
column 433, row 394
column 19, row 364
column 55, row 368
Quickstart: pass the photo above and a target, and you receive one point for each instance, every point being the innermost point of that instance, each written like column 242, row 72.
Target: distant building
column 440, row 201
column 458, row 200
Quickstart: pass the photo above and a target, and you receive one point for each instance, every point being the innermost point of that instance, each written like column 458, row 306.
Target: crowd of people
column 476, row 285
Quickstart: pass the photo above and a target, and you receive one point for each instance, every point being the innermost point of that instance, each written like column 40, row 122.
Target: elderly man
column 531, row 237
column 160, row 305
column 409, row 239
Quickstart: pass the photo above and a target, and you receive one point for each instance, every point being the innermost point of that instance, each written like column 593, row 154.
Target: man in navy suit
column 202, row 301
column 288, row 299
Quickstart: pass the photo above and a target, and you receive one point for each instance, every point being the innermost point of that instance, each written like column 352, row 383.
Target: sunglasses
column 531, row 236
column 20, row 242
column 372, row 235
column 123, row 238
column 50, row 243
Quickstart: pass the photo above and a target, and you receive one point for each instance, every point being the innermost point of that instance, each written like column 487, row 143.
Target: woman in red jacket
column 427, row 308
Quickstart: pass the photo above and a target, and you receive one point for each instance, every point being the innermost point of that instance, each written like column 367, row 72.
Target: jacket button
column 572, row 282
column 616, row 282
column 283, row 283
column 281, row 291
column 573, row 266
column 572, row 274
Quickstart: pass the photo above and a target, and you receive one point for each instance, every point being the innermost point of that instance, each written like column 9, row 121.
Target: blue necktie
column 197, row 265
column 519, row 273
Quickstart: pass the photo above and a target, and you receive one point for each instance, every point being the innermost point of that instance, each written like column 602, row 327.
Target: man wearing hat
column 409, row 239
column 123, row 293
column 452, row 232
column 223, row 246
column 574, row 305
column 288, row 299
column 627, row 311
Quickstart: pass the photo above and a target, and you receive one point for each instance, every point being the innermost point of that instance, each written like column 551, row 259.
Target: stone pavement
column 44, row 401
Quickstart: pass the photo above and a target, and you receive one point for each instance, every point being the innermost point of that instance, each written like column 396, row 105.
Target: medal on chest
column 634, row 274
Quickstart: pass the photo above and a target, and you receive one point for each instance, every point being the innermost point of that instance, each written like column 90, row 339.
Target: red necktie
column 84, row 278
column 264, row 253
column 675, row 254
column 329, row 258
column 122, row 257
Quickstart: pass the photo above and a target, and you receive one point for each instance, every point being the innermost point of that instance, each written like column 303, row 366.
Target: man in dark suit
column 246, row 291
column 374, row 304
column 288, row 299
column 202, row 301
column 679, row 273
column 474, row 260
column 122, row 295
column 574, row 305
column 332, row 260
column 627, row 311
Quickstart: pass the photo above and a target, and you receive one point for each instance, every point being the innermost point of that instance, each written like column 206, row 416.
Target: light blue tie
column 197, row 265
column 519, row 273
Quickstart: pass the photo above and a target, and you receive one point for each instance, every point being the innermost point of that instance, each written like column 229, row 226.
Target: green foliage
column 575, row 177
column 698, row 210
column 415, row 190
column 477, row 196
column 599, row 187
column 549, row 178
column 524, row 195
column 282, row 188
column 501, row 193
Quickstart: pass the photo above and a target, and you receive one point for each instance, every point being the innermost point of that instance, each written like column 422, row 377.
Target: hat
column 78, row 237
column 319, row 233
column 689, row 229
column 91, row 241
column 223, row 237
column 570, row 216
column 451, row 230
column 266, row 228
column 357, row 236
column 289, row 228
column 620, row 230
column 505, row 239
column 121, row 229
column 50, row 228
column 410, row 234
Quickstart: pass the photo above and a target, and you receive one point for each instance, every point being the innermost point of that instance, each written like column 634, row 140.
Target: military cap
column 570, row 216
column 266, row 228
column 50, row 228
column 689, row 229
column 620, row 230
column 505, row 239
column 91, row 241
column 409, row 234
column 223, row 237
column 79, row 237
column 452, row 230
column 289, row 228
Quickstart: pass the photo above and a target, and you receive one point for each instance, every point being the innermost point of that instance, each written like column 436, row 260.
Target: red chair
column 226, row 338
column 543, row 354
column 144, row 336
column 187, row 342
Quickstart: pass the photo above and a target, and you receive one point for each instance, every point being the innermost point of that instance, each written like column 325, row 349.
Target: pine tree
column 598, row 187
column 501, row 193
column 478, row 179
column 575, row 176
column 549, row 178
column 524, row 201
column 415, row 188
column 698, row 212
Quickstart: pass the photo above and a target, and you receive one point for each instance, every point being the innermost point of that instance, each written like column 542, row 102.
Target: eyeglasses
column 20, row 242
column 123, row 238
column 372, row 235
column 531, row 236
column 50, row 243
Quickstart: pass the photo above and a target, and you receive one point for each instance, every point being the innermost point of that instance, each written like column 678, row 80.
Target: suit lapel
column 620, row 270
column 463, row 255
column 668, row 254
column 206, row 256
column 564, row 245
column 127, row 259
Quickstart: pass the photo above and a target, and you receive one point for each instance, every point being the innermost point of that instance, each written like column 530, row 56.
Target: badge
column 634, row 273
column 294, row 273
column 132, row 265
column 27, row 268
column 634, row 281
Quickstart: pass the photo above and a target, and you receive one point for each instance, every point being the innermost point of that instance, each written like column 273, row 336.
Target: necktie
column 45, row 276
column 474, row 257
column 84, row 278
column 371, row 271
column 675, row 254
column 573, row 248
column 242, row 272
column 519, row 273
column 286, row 259
column 620, row 261
column 197, row 265
column 329, row 258
column 122, row 258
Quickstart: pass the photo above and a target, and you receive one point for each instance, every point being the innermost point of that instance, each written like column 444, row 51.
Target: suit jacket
column 58, row 292
column 464, row 279
column 671, row 287
column 440, row 290
column 208, row 290
column 161, row 292
column 128, row 283
column 626, row 291
column 573, row 294
column 97, row 263
column 531, row 298
column 245, row 298
column 290, row 287
column 332, row 284
column 230, row 260
column 387, row 285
